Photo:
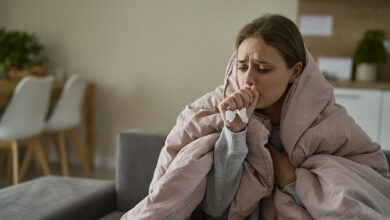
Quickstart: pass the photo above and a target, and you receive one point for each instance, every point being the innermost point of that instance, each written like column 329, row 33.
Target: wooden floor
column 74, row 170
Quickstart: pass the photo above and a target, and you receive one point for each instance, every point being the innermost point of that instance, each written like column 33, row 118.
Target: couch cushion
column 113, row 216
column 55, row 197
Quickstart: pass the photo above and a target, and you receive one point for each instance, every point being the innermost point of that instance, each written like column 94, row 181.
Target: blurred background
column 150, row 58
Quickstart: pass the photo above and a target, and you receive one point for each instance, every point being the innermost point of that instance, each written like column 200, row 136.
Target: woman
column 265, row 71
column 298, row 156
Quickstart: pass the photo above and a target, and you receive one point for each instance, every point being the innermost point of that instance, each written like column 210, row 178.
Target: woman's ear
column 296, row 71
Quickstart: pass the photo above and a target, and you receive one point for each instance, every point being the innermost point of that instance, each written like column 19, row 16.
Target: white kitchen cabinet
column 364, row 106
column 384, row 135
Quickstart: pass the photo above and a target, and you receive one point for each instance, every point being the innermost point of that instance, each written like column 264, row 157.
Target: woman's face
column 262, row 65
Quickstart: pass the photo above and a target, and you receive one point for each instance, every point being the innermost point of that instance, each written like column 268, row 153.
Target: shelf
column 361, row 85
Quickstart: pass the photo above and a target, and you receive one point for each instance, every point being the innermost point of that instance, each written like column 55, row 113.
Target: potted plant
column 369, row 53
column 21, row 54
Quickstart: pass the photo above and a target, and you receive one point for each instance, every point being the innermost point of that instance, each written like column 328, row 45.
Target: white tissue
column 230, row 115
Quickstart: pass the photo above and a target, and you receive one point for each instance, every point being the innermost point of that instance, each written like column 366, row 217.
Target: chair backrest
column 25, row 114
column 67, row 113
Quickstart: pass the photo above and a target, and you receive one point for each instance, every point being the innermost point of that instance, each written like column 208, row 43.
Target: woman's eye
column 264, row 70
column 242, row 67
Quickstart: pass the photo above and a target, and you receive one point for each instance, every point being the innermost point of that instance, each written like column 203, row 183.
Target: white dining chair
column 24, row 120
column 64, row 120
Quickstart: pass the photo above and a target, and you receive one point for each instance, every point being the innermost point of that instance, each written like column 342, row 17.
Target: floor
column 74, row 170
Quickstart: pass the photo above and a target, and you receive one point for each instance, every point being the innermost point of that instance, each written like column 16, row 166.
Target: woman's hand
column 284, row 170
column 243, row 98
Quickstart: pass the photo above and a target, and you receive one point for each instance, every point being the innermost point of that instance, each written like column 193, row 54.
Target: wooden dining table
column 8, row 86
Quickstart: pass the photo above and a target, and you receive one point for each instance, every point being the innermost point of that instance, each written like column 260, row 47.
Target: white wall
column 148, row 58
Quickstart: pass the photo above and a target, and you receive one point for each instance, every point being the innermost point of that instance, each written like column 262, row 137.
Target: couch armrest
column 137, row 155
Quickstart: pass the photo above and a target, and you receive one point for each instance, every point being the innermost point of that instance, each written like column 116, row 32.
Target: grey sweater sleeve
column 290, row 189
column 229, row 153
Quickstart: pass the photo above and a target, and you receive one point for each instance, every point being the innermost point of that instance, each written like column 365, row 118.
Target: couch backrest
column 137, row 155
column 387, row 153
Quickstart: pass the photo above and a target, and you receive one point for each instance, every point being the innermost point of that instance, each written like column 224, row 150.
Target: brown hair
column 279, row 32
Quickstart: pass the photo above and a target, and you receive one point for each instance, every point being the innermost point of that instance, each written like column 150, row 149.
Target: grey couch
column 56, row 197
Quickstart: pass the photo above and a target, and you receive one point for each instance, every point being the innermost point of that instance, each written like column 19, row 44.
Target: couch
column 56, row 197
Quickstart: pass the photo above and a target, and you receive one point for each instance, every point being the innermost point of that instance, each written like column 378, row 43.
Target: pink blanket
column 340, row 172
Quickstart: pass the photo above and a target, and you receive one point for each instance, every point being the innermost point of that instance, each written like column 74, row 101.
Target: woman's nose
column 249, row 77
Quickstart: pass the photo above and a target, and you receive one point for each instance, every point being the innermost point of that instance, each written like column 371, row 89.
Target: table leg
column 90, row 124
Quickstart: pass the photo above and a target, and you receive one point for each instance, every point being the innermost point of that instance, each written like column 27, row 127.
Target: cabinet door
column 363, row 105
column 384, row 135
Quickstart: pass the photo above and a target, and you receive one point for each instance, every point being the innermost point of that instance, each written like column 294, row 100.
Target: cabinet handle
column 347, row 96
